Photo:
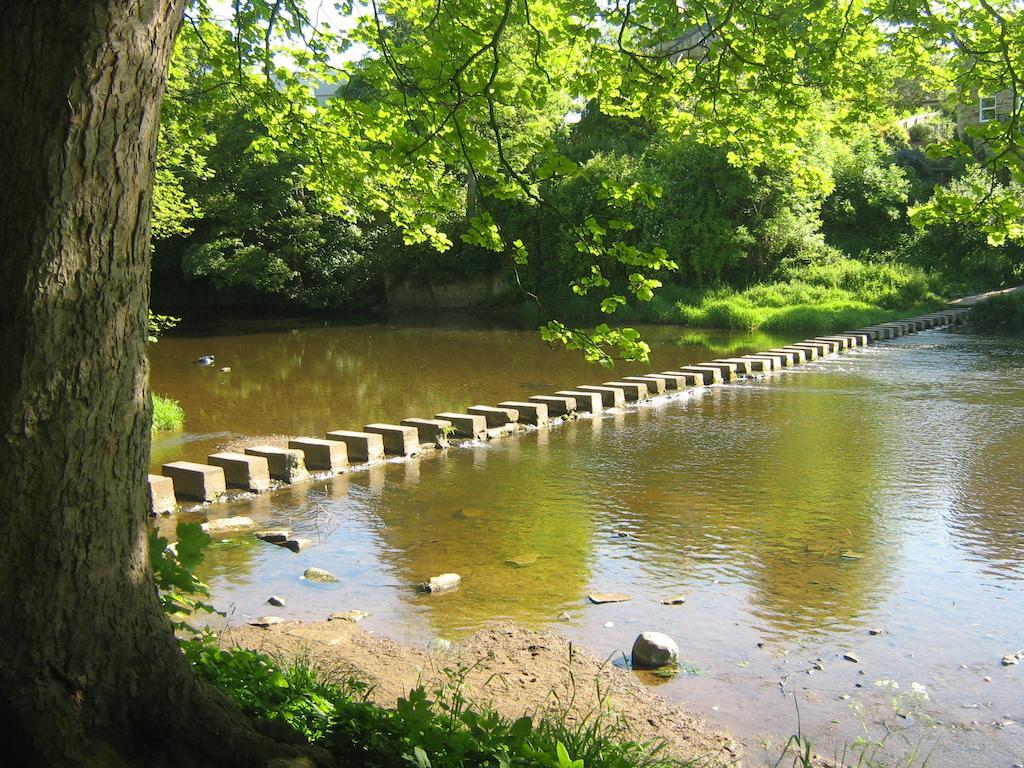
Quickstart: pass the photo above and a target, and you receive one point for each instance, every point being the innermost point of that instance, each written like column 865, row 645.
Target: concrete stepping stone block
column 240, row 471
column 361, row 446
column 788, row 358
column 671, row 383
column 529, row 413
column 611, row 397
column 655, row 386
column 729, row 371
column 771, row 362
column 161, row 495
column 708, row 375
column 558, row 405
column 633, row 390
column 586, row 402
column 807, row 353
column 743, row 367
column 833, row 344
column 690, row 378
column 466, row 424
column 201, row 482
column 329, row 455
column 430, row 431
column 495, row 417
column 820, row 348
column 285, row 464
column 843, row 342
column 399, row 440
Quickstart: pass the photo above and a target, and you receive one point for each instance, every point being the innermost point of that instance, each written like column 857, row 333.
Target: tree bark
column 90, row 672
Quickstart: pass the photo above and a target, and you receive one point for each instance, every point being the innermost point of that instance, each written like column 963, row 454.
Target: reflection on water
column 878, row 490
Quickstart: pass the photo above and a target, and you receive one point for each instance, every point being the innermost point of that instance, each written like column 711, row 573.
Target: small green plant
column 181, row 594
column 168, row 415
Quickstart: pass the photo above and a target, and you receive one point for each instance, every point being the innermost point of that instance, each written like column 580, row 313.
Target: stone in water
column 654, row 649
column 228, row 525
column 522, row 561
column 274, row 536
column 851, row 657
column 608, row 597
column 277, row 602
column 353, row 616
column 319, row 575
column 677, row 600
column 443, row 583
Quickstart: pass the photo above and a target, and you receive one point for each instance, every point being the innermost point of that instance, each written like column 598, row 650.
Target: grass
column 834, row 295
column 435, row 729
column 168, row 414
column 1000, row 313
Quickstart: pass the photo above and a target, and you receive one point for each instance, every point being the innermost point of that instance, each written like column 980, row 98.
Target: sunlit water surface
column 879, row 490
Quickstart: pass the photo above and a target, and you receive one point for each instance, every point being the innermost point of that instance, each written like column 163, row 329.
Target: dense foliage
column 718, row 143
column 1001, row 313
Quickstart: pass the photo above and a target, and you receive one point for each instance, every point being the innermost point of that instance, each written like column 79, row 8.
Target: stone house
column 985, row 108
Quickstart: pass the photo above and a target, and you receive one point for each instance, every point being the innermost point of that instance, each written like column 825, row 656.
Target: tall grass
column 843, row 293
column 167, row 414
column 1000, row 313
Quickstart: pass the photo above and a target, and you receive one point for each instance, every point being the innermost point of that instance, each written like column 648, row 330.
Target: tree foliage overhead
column 450, row 107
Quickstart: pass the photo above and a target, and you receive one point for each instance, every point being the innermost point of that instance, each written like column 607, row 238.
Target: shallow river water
column 881, row 490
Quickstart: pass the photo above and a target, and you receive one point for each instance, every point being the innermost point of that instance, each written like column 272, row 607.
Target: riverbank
column 505, row 667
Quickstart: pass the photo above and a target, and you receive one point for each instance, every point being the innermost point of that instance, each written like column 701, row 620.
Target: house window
column 986, row 109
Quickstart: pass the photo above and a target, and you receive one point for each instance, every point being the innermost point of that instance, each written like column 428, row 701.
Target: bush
column 168, row 414
column 1000, row 313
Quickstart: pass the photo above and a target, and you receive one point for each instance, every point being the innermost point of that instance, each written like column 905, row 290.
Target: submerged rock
column 319, row 575
column 274, row 535
column 353, row 616
column 228, row 525
column 654, row 649
column 295, row 545
column 204, row 360
column 443, row 583
column 608, row 597
column 522, row 561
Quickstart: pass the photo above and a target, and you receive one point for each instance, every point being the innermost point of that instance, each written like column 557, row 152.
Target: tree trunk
column 90, row 673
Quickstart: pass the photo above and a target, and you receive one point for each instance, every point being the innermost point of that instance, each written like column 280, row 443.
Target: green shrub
column 168, row 414
column 1000, row 313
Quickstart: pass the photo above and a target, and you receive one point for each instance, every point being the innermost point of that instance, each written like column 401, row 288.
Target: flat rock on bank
column 515, row 670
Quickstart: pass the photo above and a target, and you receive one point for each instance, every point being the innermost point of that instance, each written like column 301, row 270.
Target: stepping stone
column 466, row 424
column 161, row 495
column 329, row 455
column 285, row 464
column 430, row 431
column 495, row 417
column 399, row 439
column 361, row 446
column 611, row 397
column 586, row 402
column 201, row 482
column 557, row 406
column 654, row 386
column 633, row 390
column 599, row 598
column 240, row 471
column 529, row 413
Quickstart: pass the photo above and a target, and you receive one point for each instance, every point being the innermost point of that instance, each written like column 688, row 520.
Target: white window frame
column 986, row 106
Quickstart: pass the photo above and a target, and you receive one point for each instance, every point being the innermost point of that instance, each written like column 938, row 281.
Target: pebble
column 564, row 616
column 608, row 597
column 266, row 621
column 677, row 600
column 875, row 631
column 818, row 666
column 844, row 696
column 319, row 575
column 353, row 616
column 225, row 369
column 987, row 678
column 609, row 624
column 446, row 582
column 850, row 656
column 277, row 602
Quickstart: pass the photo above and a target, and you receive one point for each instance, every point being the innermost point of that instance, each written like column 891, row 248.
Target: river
column 880, row 491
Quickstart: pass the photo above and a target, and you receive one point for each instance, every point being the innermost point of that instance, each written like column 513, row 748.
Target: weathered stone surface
column 821, row 349
column 851, row 656
column 708, row 375
column 767, row 362
column 729, row 371
column 654, row 386
column 611, row 397
column 608, row 597
column 522, row 561
column 558, row 405
column 675, row 600
column 494, row 416
column 285, row 464
column 266, row 621
column 652, row 650
column 835, row 345
column 296, row 545
column 586, row 402
column 322, row 455
column 201, row 482
column 633, row 390
column 224, row 526
column 240, row 471
column 446, row 582
column 361, row 446
column 782, row 359
column 743, row 366
column 352, row 616
column 529, row 413
column 161, row 495
column 319, row 575
column 430, row 431
column 466, row 424
column 670, row 381
column 690, row 378
column 399, row 439
column 274, row 535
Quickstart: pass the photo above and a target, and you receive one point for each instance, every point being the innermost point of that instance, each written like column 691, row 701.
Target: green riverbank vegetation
column 1003, row 314
column 168, row 415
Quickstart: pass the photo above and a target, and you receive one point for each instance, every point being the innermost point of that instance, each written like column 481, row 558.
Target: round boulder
column 654, row 649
